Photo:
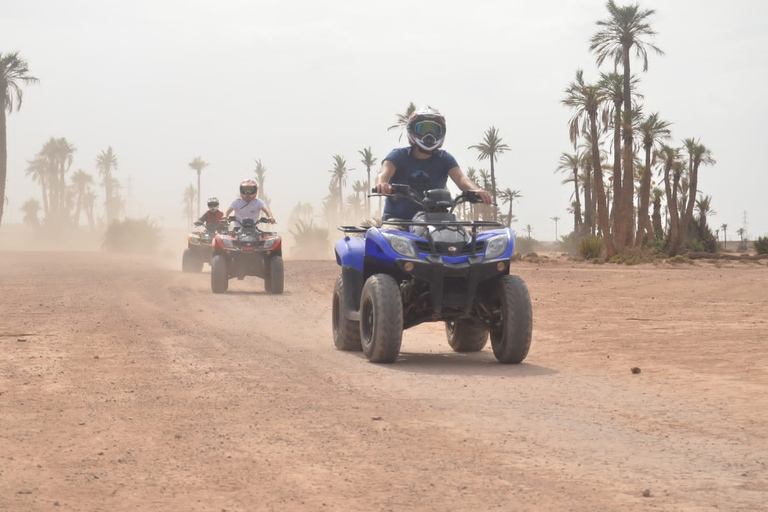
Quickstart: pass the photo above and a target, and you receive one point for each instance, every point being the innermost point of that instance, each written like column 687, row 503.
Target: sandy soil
column 126, row 385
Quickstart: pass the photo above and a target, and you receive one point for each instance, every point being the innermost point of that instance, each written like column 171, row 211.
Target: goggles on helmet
column 428, row 128
column 248, row 190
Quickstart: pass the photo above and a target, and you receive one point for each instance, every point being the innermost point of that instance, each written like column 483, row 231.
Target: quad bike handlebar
column 405, row 192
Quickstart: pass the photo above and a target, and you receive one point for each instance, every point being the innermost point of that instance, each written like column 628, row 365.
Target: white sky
column 294, row 82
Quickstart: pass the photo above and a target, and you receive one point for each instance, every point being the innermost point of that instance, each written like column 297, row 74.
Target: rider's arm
column 382, row 178
column 464, row 183
column 266, row 210
column 229, row 210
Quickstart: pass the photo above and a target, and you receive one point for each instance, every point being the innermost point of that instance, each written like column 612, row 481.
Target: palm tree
column 402, row 121
column 571, row 163
column 653, row 130
column 704, row 207
column 368, row 161
column 508, row 196
column 81, row 180
column 490, row 149
column 60, row 155
column 697, row 154
column 30, row 209
column 188, row 200
column 261, row 171
column 724, row 227
column 339, row 180
column 586, row 100
column 529, row 229
column 38, row 171
column 198, row 164
column 13, row 73
column 555, row 218
column 624, row 29
column 89, row 200
column 106, row 162
column 658, row 229
column 741, row 232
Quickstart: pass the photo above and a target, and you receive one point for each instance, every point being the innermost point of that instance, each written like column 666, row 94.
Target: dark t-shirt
column 421, row 175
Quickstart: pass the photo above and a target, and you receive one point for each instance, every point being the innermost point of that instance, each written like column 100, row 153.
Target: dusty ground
column 126, row 385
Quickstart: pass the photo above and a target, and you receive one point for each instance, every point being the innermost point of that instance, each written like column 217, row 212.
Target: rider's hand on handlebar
column 198, row 223
column 384, row 188
column 484, row 195
column 272, row 220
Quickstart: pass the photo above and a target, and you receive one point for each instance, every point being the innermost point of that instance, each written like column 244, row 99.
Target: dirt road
column 126, row 385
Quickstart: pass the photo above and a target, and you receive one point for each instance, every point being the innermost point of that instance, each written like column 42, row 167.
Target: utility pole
column 555, row 218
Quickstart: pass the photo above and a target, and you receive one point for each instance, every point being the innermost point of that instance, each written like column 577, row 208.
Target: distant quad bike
column 198, row 251
column 435, row 269
column 247, row 251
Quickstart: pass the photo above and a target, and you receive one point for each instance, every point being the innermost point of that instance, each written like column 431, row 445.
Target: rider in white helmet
column 248, row 206
column 423, row 165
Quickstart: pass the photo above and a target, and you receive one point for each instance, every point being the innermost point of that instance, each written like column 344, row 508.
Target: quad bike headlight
column 227, row 242
column 402, row 246
column 269, row 242
column 496, row 246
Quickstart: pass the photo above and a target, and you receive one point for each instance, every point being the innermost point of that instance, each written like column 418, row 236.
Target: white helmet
column 426, row 129
column 213, row 204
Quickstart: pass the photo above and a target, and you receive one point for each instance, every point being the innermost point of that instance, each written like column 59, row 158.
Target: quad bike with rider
column 247, row 251
column 429, row 269
column 198, row 251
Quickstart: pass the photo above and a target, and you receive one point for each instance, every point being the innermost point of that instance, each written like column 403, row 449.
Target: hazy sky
column 295, row 82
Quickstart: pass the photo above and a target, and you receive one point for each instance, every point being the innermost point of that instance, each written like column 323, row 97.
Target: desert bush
column 680, row 259
column 591, row 247
column 570, row 242
column 311, row 241
column 761, row 245
column 525, row 244
column 132, row 236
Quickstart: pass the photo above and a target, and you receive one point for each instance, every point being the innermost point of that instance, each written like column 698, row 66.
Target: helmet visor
column 423, row 128
column 248, row 190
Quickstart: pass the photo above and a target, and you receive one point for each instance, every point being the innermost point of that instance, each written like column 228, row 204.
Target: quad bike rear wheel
column 465, row 337
column 381, row 319
column 191, row 262
column 219, row 275
column 512, row 340
column 346, row 333
column 275, row 278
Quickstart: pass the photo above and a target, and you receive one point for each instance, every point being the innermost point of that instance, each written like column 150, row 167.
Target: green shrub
column 761, row 245
column 680, row 259
column 591, row 247
column 132, row 236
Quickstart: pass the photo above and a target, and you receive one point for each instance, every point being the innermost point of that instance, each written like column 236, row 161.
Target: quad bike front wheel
column 219, row 275
column 381, row 319
column 275, row 279
column 346, row 333
column 191, row 262
column 512, row 340
column 465, row 337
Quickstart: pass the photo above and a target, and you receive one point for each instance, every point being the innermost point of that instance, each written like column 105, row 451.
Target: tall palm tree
column 30, row 209
column 81, row 180
column 704, row 207
column 586, row 101
column 671, row 170
column 571, row 163
column 555, row 218
column 89, row 200
column 368, row 161
column 14, row 72
column 37, row 169
column 402, row 121
column 188, row 200
column 261, row 171
column 106, row 162
column 490, row 149
column 653, row 130
column 508, row 196
column 625, row 28
column 724, row 227
column 198, row 164
column 339, row 180
column 698, row 154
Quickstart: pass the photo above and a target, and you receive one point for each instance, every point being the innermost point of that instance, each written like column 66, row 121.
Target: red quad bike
column 247, row 251
column 198, row 251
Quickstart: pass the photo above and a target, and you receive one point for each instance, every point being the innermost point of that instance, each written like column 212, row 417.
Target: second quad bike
column 434, row 268
column 247, row 251
column 198, row 251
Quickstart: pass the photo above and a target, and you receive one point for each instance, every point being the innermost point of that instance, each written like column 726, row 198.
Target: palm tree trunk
column 44, row 186
column 493, row 188
column 3, row 155
column 644, row 227
column 616, row 210
column 686, row 220
column 509, row 220
column 671, row 193
column 577, row 209
column 627, row 186
column 602, row 208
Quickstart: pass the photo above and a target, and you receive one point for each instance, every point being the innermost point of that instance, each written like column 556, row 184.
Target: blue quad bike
column 434, row 268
